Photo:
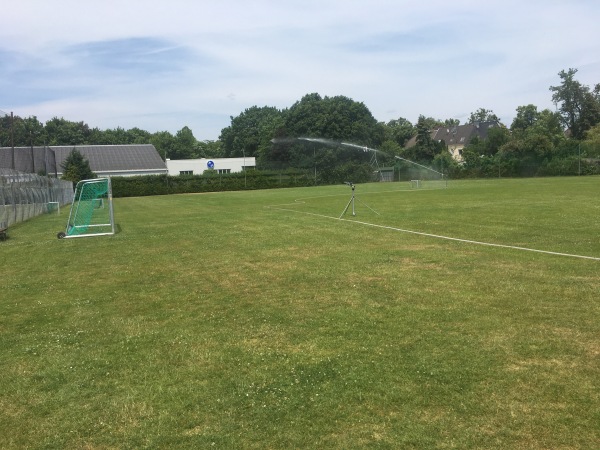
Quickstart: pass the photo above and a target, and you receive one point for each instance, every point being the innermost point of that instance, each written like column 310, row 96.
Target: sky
column 163, row 65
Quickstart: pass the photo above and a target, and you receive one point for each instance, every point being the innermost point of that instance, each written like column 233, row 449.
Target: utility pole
column 12, row 138
column 244, row 153
column 32, row 155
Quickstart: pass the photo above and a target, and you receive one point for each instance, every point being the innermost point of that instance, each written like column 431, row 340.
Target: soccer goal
column 420, row 176
column 92, row 210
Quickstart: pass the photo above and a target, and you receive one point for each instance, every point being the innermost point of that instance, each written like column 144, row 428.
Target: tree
column 496, row 138
column 579, row 106
column 64, row 132
column 251, row 132
column 337, row 118
column 449, row 123
column 426, row 148
column 138, row 136
column 592, row 135
column 390, row 147
column 76, row 167
column 164, row 142
column 526, row 117
column 209, row 149
column 22, row 131
column 399, row 131
column 591, row 145
column 6, row 125
column 430, row 123
column 483, row 115
column 548, row 124
column 185, row 144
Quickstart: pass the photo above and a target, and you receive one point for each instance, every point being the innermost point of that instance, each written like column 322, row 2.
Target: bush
column 210, row 182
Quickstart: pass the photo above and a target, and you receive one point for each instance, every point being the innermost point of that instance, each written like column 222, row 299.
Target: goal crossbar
column 88, row 216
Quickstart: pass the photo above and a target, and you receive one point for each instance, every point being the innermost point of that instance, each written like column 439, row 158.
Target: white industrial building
column 220, row 165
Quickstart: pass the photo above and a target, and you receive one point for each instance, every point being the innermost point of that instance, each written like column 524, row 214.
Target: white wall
column 198, row 166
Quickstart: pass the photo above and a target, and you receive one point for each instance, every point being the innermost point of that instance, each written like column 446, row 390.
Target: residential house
column 458, row 137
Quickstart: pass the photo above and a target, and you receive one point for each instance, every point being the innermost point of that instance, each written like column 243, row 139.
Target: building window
column 224, row 170
column 186, row 172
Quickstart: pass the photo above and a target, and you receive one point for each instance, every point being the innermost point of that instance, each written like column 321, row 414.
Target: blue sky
column 163, row 65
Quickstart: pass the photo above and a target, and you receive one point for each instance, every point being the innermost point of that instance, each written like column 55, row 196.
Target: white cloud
column 164, row 65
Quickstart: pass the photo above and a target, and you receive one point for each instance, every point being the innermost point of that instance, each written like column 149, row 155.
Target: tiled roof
column 458, row 135
column 462, row 134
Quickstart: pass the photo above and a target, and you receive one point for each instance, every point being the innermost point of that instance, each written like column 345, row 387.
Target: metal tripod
column 351, row 202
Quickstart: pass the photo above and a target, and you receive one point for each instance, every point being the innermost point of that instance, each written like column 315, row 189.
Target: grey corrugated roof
column 102, row 158
column 105, row 158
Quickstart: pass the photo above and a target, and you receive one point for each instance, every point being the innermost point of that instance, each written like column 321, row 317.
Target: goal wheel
column 61, row 235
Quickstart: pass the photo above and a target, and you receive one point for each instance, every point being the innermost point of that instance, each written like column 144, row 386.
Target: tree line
column 535, row 143
column 24, row 132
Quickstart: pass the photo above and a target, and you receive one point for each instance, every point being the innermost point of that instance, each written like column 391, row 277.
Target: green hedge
column 164, row 184
column 529, row 167
column 182, row 184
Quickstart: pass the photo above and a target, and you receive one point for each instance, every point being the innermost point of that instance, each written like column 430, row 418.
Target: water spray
column 420, row 165
column 364, row 148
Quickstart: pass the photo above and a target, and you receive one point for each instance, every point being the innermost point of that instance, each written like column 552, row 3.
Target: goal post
column 91, row 211
column 420, row 176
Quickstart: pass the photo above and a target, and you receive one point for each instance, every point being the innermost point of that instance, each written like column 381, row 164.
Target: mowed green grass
column 258, row 319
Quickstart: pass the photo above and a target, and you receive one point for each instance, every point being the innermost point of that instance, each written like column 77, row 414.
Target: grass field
column 258, row 319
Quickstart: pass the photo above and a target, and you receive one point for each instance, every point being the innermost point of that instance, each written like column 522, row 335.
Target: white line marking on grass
column 436, row 236
column 468, row 241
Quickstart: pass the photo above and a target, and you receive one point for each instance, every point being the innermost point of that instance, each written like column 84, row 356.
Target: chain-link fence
column 26, row 195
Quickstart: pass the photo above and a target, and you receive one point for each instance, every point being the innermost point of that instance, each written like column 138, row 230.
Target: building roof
column 462, row 134
column 102, row 158
column 110, row 158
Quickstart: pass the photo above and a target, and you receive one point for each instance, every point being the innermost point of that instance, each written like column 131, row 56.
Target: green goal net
column 91, row 211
